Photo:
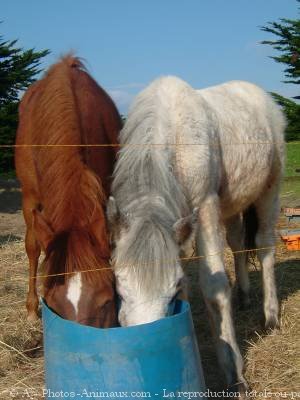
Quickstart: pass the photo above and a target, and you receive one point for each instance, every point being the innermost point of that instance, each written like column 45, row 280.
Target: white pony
column 203, row 159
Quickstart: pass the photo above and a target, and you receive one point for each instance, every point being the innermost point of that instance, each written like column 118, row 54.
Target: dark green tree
column 18, row 69
column 287, row 44
column 288, row 32
column 292, row 112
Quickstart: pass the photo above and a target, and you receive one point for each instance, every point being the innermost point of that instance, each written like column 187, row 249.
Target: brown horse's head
column 81, row 283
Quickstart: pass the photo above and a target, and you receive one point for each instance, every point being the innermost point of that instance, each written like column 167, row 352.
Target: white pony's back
column 251, row 134
column 243, row 105
column 211, row 140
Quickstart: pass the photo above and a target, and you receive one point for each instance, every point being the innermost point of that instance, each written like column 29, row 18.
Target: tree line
column 287, row 44
column 19, row 68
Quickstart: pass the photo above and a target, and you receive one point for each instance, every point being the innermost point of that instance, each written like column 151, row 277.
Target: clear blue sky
column 128, row 43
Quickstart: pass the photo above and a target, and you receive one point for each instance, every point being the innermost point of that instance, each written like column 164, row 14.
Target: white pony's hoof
column 239, row 388
column 272, row 323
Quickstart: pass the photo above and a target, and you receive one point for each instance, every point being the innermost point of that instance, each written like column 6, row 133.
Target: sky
column 128, row 43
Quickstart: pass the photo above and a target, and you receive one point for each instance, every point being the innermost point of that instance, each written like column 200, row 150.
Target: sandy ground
column 272, row 360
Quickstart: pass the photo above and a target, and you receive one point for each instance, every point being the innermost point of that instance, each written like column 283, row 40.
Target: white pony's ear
column 184, row 227
column 112, row 211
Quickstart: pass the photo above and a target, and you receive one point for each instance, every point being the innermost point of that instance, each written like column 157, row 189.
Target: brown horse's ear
column 183, row 228
column 42, row 230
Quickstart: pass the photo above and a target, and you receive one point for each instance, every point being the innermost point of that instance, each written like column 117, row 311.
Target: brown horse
column 64, row 190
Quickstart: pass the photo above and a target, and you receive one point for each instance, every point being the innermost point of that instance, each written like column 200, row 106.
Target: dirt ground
column 272, row 359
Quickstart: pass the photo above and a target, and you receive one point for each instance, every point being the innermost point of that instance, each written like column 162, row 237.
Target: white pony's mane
column 144, row 166
column 146, row 189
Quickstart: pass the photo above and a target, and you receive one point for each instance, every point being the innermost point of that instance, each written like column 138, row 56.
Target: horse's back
column 100, row 125
column 227, row 140
column 234, row 134
column 250, row 128
column 241, row 107
column 95, row 116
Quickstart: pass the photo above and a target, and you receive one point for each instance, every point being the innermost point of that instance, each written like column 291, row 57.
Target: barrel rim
column 184, row 310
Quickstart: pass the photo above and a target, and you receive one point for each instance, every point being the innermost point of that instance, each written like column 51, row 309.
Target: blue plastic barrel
column 153, row 360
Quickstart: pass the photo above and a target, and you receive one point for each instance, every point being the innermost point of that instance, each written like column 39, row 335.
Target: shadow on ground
column 5, row 239
column 10, row 196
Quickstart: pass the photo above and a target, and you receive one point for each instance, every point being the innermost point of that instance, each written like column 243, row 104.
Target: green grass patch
column 290, row 189
column 292, row 159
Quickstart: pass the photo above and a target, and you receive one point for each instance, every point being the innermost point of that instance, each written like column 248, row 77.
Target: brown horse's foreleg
column 217, row 293
column 235, row 234
column 33, row 251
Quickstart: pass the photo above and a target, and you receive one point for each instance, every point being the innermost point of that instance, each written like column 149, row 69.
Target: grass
column 272, row 360
column 292, row 159
column 21, row 366
column 290, row 189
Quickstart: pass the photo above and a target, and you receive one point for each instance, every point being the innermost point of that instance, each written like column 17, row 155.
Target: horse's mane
column 151, row 167
column 72, row 196
column 154, row 262
column 145, row 186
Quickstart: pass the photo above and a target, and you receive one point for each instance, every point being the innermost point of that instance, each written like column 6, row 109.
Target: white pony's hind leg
column 217, row 293
column 235, row 234
column 267, row 209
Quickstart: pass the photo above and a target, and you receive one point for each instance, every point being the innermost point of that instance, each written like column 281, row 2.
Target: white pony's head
column 146, row 258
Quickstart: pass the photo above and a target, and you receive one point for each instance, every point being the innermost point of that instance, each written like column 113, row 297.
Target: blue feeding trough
column 153, row 360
